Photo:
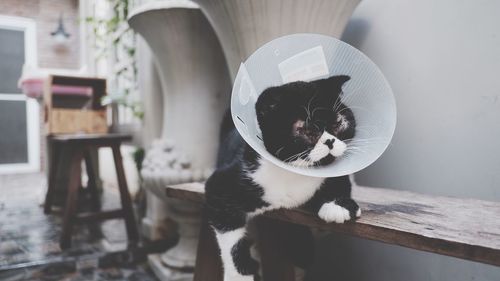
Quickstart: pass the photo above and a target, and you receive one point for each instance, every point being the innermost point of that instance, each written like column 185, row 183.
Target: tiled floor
column 29, row 248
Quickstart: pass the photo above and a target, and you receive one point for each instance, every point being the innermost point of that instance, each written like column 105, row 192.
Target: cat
column 304, row 124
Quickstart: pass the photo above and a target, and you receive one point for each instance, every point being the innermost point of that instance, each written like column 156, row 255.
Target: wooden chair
column 78, row 146
column 462, row 228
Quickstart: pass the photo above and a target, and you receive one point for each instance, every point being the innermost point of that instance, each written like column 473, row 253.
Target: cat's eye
column 334, row 128
column 299, row 126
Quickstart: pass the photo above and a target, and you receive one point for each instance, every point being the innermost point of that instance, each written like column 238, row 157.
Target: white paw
column 358, row 213
column 331, row 212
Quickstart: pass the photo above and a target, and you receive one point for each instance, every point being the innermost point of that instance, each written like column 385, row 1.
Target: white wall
column 442, row 59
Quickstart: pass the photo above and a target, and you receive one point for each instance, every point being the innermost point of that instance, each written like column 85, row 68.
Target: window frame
column 28, row 26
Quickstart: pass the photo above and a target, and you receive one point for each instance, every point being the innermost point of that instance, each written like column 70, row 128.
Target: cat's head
column 304, row 123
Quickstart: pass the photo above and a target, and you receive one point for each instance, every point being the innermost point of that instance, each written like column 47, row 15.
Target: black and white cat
column 302, row 123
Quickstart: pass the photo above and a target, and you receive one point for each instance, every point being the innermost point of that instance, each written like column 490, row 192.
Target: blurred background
column 168, row 65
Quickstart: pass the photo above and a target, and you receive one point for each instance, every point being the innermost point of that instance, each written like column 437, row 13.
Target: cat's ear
column 268, row 101
column 335, row 82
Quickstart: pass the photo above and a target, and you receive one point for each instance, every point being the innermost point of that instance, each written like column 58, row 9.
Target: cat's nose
column 329, row 143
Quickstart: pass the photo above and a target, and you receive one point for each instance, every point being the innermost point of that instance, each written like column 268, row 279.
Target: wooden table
column 78, row 146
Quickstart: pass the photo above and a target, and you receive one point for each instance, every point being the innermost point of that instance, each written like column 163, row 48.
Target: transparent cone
column 309, row 57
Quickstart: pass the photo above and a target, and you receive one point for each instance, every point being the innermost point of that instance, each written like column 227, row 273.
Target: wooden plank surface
column 462, row 228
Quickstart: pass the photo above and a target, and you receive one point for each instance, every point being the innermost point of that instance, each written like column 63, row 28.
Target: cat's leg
column 235, row 253
column 333, row 202
column 234, row 245
column 229, row 221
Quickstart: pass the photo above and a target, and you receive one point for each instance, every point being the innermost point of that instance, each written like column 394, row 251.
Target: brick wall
column 46, row 15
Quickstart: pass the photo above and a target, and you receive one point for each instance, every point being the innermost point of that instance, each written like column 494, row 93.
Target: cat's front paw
column 339, row 210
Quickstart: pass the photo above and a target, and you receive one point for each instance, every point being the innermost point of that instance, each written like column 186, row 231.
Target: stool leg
column 127, row 208
column 208, row 262
column 92, row 182
column 72, row 198
column 51, row 183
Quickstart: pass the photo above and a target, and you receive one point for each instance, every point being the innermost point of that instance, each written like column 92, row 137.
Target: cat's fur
column 302, row 123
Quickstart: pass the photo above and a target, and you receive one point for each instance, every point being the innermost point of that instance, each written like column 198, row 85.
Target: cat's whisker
column 308, row 163
column 279, row 150
column 366, row 143
column 351, row 107
column 314, row 110
column 375, row 139
column 354, row 144
column 308, row 109
column 289, row 159
column 346, row 140
column 299, row 163
column 358, row 139
column 310, row 101
column 337, row 106
column 346, row 108
column 298, row 155
column 311, row 163
column 353, row 147
column 338, row 100
column 308, row 115
column 359, row 151
column 351, row 152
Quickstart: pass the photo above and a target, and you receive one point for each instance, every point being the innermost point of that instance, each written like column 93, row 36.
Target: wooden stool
column 78, row 146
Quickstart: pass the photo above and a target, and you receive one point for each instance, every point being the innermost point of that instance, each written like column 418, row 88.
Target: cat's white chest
column 282, row 188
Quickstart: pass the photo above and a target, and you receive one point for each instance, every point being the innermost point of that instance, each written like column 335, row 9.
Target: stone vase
column 244, row 25
column 195, row 87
